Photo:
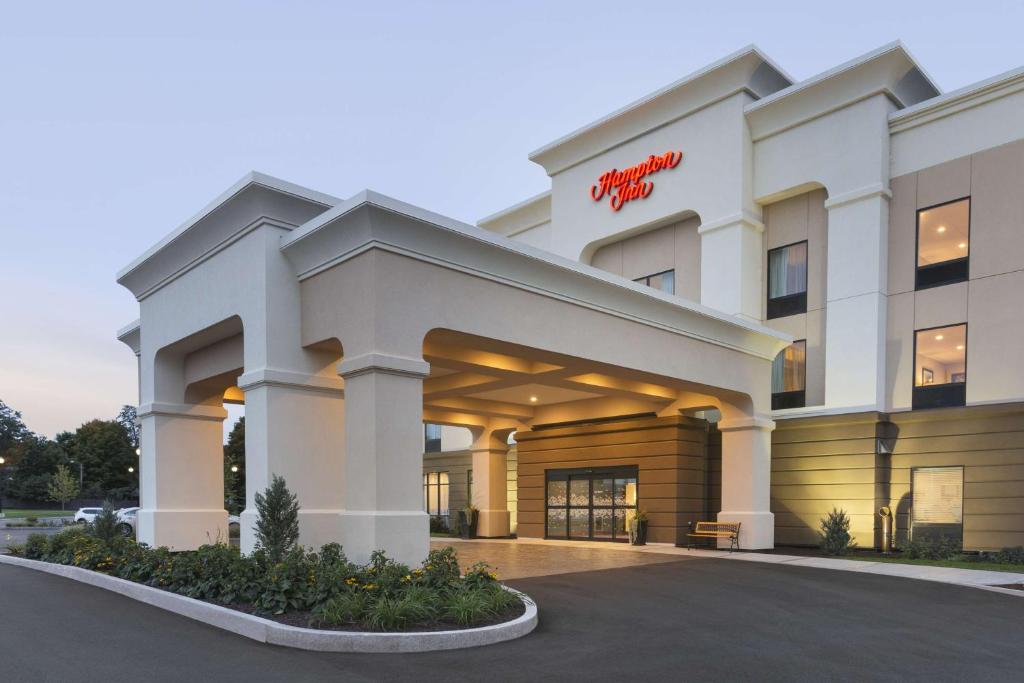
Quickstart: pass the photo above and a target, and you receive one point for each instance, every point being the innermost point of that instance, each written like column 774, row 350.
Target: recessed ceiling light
column 962, row 245
column 939, row 337
column 959, row 347
column 533, row 399
column 941, row 228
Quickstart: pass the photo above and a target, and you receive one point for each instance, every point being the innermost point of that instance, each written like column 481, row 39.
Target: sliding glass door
column 590, row 504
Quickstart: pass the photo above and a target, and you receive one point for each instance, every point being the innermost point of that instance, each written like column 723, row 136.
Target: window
column 940, row 367
column 666, row 282
column 435, row 494
column 787, row 280
column 589, row 504
column 431, row 438
column 943, row 243
column 789, row 376
column 937, row 507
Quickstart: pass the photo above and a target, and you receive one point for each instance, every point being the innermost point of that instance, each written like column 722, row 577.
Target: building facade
column 744, row 298
column 875, row 220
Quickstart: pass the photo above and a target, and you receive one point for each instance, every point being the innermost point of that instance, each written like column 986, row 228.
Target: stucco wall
column 673, row 247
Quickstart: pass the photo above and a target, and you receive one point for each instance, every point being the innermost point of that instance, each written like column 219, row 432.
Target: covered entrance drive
column 359, row 320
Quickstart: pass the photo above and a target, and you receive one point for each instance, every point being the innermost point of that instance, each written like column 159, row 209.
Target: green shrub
column 105, row 524
column 938, row 548
column 37, row 546
column 345, row 608
column 467, row 606
column 439, row 525
column 392, row 614
column 1010, row 555
column 441, row 568
column 835, row 533
column 500, row 600
column 277, row 526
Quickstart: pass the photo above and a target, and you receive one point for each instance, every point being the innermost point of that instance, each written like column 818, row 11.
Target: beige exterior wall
column 669, row 452
column 989, row 302
column 673, row 247
column 786, row 222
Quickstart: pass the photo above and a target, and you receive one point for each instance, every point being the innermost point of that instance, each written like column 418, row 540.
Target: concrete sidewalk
column 976, row 578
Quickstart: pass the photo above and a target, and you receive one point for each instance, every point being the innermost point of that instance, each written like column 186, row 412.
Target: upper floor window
column 432, row 438
column 943, row 243
column 787, row 280
column 665, row 281
column 940, row 367
column 789, row 376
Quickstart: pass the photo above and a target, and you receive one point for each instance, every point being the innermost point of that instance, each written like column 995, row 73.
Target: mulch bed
column 301, row 620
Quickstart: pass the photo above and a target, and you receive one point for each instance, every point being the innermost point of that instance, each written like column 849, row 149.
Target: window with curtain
column 787, row 280
column 435, row 494
column 789, row 376
column 665, row 282
column 943, row 244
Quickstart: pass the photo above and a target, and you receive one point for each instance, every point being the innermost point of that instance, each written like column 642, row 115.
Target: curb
column 274, row 633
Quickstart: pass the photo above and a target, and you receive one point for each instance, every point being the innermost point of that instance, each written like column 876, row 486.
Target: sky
column 118, row 121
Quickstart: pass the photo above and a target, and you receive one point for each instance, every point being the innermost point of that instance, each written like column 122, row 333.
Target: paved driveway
column 695, row 619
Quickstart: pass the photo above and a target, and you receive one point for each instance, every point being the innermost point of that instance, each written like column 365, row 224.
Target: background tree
column 234, row 456
column 64, row 486
column 36, row 460
column 128, row 418
column 12, row 430
column 105, row 451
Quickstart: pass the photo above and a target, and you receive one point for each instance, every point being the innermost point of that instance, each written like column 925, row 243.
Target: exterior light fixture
column 962, row 245
column 131, row 470
column 234, row 468
column 959, row 347
column 941, row 228
column 2, row 461
column 533, row 399
column 138, row 451
column 939, row 337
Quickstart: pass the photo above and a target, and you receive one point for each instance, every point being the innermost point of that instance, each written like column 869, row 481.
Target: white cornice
column 957, row 101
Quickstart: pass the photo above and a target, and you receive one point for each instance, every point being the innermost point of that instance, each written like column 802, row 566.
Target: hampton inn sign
column 625, row 186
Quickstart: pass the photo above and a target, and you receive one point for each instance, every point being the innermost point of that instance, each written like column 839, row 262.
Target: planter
column 639, row 536
column 467, row 528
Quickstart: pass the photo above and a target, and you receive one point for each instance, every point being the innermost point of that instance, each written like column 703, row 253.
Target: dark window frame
column 646, row 280
column 431, row 445
column 946, row 272
column 790, row 304
column 782, row 400
column 946, row 395
column 437, row 484
column 626, row 471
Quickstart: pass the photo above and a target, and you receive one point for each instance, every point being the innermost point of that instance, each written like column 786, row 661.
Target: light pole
column 81, row 475
column 2, row 485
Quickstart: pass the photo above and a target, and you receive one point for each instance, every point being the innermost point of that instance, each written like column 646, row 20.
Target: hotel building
column 744, row 297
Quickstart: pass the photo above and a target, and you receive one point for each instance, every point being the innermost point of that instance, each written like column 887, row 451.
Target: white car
column 126, row 520
column 87, row 515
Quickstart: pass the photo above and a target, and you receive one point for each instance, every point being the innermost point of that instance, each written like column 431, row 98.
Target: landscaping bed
column 320, row 590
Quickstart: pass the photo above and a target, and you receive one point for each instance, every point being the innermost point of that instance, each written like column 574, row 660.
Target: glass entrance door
column 589, row 504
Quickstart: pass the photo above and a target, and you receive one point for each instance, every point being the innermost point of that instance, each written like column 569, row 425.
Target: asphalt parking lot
column 692, row 619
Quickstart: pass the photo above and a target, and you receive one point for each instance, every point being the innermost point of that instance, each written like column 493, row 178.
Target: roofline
column 958, row 95
column 636, row 104
column 129, row 328
column 515, row 207
column 369, row 197
column 250, row 178
column 838, row 70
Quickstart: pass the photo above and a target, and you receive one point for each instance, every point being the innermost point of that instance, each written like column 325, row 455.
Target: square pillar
column 383, row 464
column 181, row 476
column 294, row 428
column 490, row 484
column 731, row 265
column 746, row 481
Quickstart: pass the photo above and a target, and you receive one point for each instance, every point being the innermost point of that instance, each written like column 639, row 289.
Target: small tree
column 277, row 526
column 835, row 533
column 63, row 487
column 106, row 524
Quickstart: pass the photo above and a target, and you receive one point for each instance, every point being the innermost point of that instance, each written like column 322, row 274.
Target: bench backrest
column 718, row 527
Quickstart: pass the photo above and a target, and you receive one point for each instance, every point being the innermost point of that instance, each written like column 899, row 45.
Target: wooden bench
column 716, row 530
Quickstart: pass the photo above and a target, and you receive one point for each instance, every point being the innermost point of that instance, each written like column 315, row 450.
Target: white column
column 746, row 480
column 294, row 428
column 490, row 483
column 730, row 265
column 181, row 476
column 855, row 318
column 383, row 465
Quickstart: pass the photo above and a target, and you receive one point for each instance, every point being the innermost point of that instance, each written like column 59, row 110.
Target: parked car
column 126, row 520
column 86, row 515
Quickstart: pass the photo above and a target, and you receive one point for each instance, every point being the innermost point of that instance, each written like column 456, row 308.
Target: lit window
column 435, row 494
column 666, row 282
column 937, row 509
column 940, row 367
column 789, row 376
column 431, row 438
column 943, row 244
column 787, row 280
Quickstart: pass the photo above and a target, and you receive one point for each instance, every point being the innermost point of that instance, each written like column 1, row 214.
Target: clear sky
column 119, row 121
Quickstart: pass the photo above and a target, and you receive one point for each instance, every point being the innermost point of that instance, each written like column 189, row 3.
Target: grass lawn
column 956, row 564
column 12, row 513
